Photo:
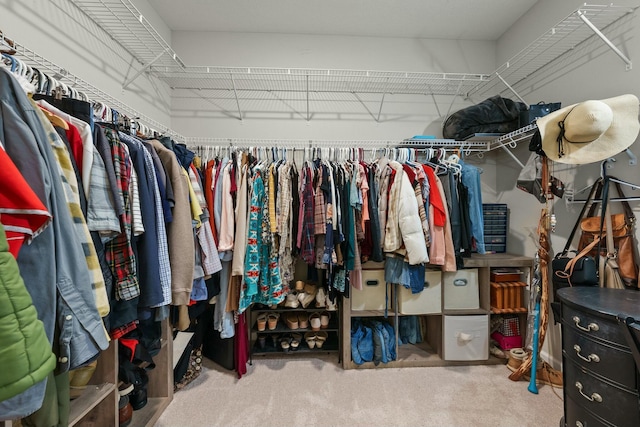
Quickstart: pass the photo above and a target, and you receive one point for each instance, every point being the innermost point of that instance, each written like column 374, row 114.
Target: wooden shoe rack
column 267, row 342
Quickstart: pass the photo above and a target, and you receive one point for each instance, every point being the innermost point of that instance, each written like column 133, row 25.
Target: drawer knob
column 595, row 397
column 579, row 424
column 590, row 358
column 591, row 327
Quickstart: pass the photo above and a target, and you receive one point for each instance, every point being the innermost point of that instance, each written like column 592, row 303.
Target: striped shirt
column 72, row 195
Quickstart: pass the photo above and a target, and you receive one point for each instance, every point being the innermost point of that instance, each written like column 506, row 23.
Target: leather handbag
column 579, row 269
column 622, row 232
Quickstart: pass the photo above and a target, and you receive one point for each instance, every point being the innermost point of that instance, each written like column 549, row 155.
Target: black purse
column 578, row 269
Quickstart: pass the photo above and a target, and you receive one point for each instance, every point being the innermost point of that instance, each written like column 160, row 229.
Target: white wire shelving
column 584, row 24
column 59, row 73
column 128, row 26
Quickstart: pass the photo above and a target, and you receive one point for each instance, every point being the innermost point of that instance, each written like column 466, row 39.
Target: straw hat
column 590, row 131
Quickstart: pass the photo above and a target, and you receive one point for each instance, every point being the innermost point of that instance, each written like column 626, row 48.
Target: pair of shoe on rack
column 319, row 320
column 269, row 320
column 315, row 339
column 298, row 320
column 304, row 294
column 290, row 342
column 274, row 339
column 545, row 374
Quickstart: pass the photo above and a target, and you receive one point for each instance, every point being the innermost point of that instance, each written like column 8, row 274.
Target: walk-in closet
column 319, row 213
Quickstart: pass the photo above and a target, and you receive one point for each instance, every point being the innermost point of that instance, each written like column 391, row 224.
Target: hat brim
column 620, row 135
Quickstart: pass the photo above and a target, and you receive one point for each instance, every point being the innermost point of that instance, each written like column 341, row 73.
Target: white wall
column 57, row 31
column 599, row 75
column 334, row 116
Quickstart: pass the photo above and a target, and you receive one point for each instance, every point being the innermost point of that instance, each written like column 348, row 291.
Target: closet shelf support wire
column 36, row 60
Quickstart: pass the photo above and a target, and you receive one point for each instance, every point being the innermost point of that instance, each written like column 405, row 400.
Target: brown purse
column 622, row 225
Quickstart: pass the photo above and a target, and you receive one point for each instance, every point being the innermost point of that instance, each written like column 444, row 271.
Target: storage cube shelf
column 429, row 301
column 464, row 310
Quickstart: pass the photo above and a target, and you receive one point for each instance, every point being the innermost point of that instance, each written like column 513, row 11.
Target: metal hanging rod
column 36, row 60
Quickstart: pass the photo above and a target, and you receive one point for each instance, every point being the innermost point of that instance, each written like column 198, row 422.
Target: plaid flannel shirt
column 119, row 252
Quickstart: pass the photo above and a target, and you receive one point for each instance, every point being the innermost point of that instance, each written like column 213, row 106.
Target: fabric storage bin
column 429, row 301
column 466, row 337
column 461, row 289
column 373, row 293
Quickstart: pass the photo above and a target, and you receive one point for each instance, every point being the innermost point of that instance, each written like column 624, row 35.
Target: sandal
column 261, row 321
column 273, row 320
column 324, row 319
column 310, row 338
column 321, row 337
column 292, row 320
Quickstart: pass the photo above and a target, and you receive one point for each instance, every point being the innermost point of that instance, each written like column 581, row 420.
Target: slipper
column 261, row 321
column 273, row 320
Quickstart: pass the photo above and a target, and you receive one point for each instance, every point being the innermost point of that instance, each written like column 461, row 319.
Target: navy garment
column 163, row 183
column 102, row 145
column 146, row 245
column 184, row 155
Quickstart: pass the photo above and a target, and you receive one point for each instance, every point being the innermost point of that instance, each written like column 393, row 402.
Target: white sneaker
column 292, row 300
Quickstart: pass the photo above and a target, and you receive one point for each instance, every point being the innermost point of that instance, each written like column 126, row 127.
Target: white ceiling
column 443, row 19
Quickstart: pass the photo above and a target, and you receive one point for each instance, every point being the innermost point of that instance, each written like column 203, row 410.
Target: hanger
column 604, row 175
column 55, row 120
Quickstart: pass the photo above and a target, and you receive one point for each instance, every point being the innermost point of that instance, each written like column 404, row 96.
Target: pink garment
column 364, row 187
column 437, row 249
column 227, row 216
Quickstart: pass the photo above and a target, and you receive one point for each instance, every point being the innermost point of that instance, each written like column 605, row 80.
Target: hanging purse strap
column 568, row 269
column 595, row 188
column 629, row 215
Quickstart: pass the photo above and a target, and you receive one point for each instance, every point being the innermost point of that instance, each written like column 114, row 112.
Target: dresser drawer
column 577, row 416
column 593, row 326
column 610, row 362
column 609, row 402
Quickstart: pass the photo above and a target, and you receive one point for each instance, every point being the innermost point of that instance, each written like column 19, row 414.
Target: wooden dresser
column 600, row 372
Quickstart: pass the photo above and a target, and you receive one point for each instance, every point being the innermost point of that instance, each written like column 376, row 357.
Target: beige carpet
column 318, row 392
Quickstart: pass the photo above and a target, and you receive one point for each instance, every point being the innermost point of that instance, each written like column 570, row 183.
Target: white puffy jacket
column 403, row 220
